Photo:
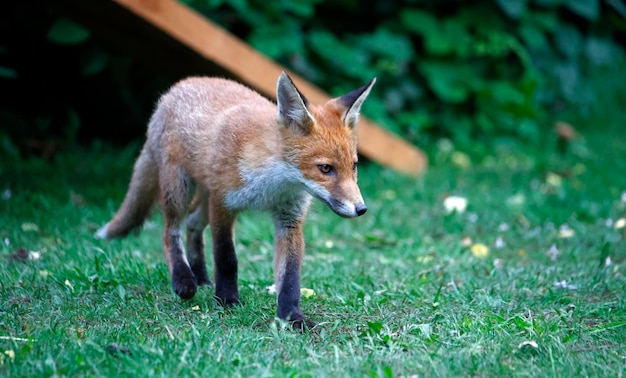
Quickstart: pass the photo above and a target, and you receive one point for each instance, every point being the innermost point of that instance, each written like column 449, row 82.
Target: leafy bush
column 460, row 69
column 61, row 85
column 463, row 69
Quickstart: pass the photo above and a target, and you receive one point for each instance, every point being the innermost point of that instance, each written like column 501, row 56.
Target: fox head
column 320, row 141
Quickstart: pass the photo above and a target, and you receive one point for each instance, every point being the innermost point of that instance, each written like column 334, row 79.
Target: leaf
column 505, row 93
column 302, row 8
column 601, row 51
column 496, row 45
column 66, row 32
column 549, row 3
column 448, row 37
column 375, row 327
column 589, row 9
column 456, row 35
column 533, row 37
column 276, row 40
column 418, row 22
column 349, row 60
column 568, row 40
column 568, row 75
column 93, row 62
column 385, row 43
column 8, row 73
column 513, row 8
column 121, row 291
column 449, row 81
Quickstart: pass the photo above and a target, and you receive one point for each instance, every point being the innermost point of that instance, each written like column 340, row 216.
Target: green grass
column 396, row 291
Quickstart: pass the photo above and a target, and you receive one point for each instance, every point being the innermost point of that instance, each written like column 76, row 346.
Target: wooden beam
column 227, row 51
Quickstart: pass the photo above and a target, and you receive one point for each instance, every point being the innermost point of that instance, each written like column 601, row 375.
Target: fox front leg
column 222, row 224
column 287, row 266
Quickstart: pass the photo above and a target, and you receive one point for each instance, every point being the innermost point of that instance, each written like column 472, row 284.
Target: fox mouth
column 345, row 210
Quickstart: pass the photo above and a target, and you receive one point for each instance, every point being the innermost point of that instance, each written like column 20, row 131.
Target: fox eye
column 354, row 168
column 325, row 168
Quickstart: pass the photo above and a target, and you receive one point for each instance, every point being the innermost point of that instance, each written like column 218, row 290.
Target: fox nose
column 361, row 209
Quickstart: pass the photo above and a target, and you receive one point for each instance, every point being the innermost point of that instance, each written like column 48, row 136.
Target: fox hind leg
column 196, row 223
column 176, row 188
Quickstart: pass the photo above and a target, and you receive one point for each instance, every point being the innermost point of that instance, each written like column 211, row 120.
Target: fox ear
column 292, row 106
column 352, row 101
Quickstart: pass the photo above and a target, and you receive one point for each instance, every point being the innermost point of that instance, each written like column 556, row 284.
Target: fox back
column 233, row 150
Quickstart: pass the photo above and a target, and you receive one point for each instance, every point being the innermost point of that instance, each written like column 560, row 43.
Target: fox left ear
column 292, row 106
column 352, row 101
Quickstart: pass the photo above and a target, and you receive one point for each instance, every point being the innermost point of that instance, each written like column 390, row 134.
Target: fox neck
column 272, row 186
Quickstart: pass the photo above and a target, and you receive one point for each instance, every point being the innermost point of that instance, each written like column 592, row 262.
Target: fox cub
column 215, row 148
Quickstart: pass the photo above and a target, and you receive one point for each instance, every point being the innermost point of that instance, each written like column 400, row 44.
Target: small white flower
column 271, row 289
column 564, row 285
column 620, row 223
column 498, row 263
column 28, row 226
column 553, row 252
column 466, row 241
column 528, row 343
column 499, row 243
column 516, row 200
column 608, row 222
column 503, row 227
column 7, row 242
column 554, row 180
column 455, row 203
column 11, row 354
column 607, row 261
column 565, row 231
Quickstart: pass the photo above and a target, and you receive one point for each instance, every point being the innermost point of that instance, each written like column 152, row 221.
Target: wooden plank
column 214, row 43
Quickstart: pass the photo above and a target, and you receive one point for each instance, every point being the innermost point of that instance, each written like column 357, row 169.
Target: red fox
column 214, row 148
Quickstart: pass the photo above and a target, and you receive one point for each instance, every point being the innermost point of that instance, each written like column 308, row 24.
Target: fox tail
column 142, row 193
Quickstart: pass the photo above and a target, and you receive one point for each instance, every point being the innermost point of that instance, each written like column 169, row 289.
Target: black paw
column 226, row 292
column 185, row 285
column 302, row 324
column 294, row 316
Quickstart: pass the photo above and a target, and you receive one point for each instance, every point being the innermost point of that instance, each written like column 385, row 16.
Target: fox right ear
column 352, row 102
column 292, row 106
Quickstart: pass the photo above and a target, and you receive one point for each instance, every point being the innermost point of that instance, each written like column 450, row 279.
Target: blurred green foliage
column 60, row 84
column 466, row 70
column 461, row 69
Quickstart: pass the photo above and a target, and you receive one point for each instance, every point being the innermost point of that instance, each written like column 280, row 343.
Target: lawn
column 527, row 281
